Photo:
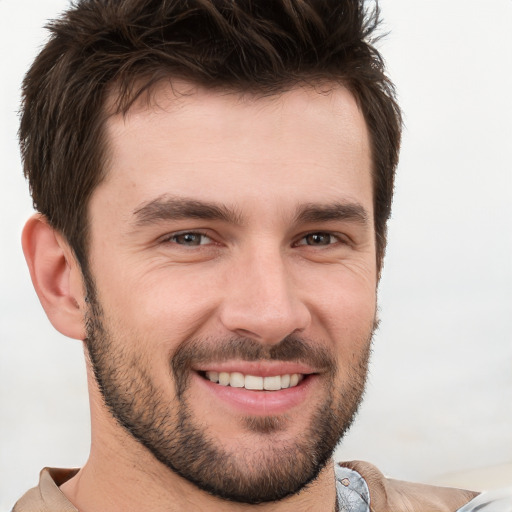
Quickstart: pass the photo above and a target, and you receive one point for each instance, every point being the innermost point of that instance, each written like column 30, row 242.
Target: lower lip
column 260, row 403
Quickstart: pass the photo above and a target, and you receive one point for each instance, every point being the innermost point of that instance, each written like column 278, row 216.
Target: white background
column 439, row 399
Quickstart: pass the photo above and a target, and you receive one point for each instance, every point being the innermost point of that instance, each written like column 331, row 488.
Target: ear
column 56, row 276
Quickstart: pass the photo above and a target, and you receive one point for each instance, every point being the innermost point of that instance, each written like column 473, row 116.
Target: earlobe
column 56, row 276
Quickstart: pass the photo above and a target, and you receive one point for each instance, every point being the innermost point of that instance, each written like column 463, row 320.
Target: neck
column 121, row 475
column 117, row 485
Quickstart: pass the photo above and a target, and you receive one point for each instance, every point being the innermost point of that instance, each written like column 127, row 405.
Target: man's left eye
column 190, row 239
column 318, row 239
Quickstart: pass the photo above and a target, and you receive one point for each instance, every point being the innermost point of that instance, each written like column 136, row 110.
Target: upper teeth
column 239, row 380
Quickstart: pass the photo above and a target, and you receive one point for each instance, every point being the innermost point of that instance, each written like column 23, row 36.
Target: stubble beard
column 168, row 429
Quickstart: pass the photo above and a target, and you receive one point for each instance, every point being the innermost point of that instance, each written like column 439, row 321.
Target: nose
column 262, row 300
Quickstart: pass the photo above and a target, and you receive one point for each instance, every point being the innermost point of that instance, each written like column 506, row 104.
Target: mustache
column 293, row 348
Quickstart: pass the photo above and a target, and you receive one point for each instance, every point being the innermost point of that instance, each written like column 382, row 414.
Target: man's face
column 233, row 259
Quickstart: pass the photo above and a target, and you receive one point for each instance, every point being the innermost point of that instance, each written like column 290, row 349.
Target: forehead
column 199, row 142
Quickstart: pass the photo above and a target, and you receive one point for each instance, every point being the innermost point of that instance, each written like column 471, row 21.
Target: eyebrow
column 312, row 212
column 171, row 208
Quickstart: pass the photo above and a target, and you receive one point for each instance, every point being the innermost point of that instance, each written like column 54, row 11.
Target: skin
column 254, row 276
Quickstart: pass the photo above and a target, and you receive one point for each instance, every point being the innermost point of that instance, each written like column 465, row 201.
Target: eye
column 190, row 239
column 318, row 239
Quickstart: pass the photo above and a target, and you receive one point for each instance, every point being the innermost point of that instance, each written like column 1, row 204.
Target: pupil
column 190, row 239
column 318, row 239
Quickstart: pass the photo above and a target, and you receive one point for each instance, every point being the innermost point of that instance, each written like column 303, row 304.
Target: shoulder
column 397, row 495
column 47, row 497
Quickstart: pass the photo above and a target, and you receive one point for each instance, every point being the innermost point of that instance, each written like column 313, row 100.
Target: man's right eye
column 190, row 239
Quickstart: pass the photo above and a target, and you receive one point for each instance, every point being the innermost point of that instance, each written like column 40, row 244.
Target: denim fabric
column 352, row 491
column 354, row 496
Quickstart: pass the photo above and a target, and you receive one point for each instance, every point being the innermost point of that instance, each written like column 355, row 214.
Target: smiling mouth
column 255, row 382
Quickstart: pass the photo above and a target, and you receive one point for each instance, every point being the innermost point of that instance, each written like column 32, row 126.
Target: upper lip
column 257, row 368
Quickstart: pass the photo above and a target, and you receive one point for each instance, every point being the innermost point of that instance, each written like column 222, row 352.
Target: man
column 213, row 181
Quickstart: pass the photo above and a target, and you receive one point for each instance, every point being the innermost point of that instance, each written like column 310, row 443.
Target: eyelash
column 172, row 238
column 333, row 238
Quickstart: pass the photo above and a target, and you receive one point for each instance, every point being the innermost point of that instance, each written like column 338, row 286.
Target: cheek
column 345, row 319
column 343, row 299
column 167, row 304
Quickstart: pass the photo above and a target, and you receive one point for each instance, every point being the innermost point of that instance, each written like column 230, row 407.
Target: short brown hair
column 263, row 46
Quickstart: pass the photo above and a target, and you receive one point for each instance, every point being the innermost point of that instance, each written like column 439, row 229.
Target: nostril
column 245, row 333
column 266, row 319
